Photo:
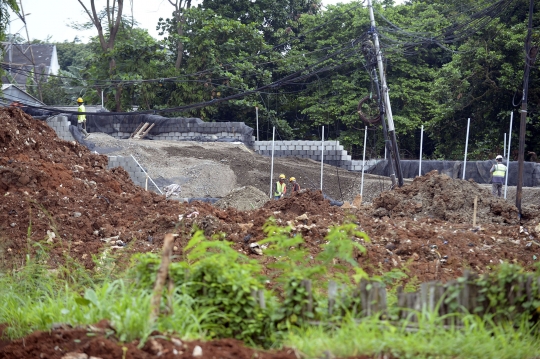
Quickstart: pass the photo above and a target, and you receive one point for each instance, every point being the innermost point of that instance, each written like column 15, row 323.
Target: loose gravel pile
column 243, row 199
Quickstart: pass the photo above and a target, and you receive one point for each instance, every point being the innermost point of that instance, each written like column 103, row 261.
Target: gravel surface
column 244, row 199
column 213, row 169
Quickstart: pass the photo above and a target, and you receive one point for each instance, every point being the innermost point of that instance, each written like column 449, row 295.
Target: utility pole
column 386, row 99
column 530, row 56
column 371, row 59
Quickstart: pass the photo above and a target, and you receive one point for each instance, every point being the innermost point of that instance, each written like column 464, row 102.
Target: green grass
column 213, row 298
column 35, row 300
column 371, row 336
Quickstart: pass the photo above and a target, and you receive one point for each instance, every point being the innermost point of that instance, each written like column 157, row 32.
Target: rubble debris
column 255, row 248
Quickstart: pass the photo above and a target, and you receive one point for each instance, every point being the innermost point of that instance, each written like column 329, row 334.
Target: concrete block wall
column 128, row 163
column 60, row 124
column 334, row 154
column 197, row 136
column 179, row 129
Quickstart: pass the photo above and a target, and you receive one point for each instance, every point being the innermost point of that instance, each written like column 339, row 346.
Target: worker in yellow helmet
column 280, row 187
column 81, row 119
column 295, row 186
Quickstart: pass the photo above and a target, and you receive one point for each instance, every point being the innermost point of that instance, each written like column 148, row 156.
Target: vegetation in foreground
column 216, row 294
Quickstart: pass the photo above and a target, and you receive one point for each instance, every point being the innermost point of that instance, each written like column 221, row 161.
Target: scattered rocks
column 255, row 248
column 197, row 351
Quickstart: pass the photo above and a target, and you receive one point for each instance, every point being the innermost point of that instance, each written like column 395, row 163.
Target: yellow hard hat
column 282, row 176
column 80, row 99
column 292, row 179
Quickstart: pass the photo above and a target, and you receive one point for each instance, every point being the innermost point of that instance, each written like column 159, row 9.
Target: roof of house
column 12, row 93
column 22, row 58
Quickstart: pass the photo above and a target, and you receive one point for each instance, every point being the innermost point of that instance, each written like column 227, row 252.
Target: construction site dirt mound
column 59, row 193
column 439, row 196
column 243, row 199
column 305, row 201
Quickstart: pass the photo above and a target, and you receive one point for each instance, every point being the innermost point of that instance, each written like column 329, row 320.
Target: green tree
column 72, row 54
column 112, row 16
column 137, row 56
column 270, row 16
column 220, row 58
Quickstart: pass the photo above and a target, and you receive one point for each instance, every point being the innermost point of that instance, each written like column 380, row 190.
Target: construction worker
column 498, row 172
column 81, row 119
column 280, row 188
column 295, row 186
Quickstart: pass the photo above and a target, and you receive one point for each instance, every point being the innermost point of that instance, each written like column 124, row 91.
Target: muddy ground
column 99, row 342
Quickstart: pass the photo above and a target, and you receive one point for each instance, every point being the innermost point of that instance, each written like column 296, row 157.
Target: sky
column 52, row 17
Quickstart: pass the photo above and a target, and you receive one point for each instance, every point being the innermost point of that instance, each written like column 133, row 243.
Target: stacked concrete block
column 334, row 154
column 60, row 125
column 135, row 172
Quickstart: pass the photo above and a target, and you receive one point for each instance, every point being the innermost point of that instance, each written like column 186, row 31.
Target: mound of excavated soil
column 53, row 185
column 243, row 199
column 439, row 196
column 311, row 202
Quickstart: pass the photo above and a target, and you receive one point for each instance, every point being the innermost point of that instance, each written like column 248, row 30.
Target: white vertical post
column 421, row 144
column 322, row 156
column 272, row 165
column 385, row 152
column 102, row 99
column 504, row 146
column 466, row 145
column 363, row 163
column 508, row 154
column 146, row 184
column 257, row 118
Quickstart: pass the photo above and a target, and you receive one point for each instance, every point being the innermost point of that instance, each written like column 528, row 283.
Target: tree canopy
column 303, row 66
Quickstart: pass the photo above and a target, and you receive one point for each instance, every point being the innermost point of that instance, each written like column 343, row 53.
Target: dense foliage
column 445, row 61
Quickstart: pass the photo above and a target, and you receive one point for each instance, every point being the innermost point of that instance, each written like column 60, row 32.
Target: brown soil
column 98, row 341
column 48, row 184
column 243, row 199
column 57, row 186
column 441, row 197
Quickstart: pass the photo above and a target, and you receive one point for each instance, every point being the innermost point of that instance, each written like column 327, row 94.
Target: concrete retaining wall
column 60, row 124
column 185, row 131
column 334, row 154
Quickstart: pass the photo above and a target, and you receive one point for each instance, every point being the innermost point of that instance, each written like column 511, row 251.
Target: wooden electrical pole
column 530, row 56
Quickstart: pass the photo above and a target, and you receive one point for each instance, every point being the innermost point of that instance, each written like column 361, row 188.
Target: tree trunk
column 181, row 21
column 180, row 47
